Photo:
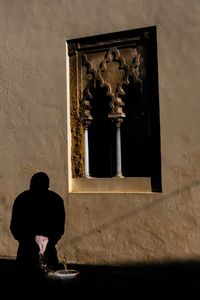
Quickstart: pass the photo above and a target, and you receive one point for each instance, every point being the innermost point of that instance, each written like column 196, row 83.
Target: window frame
column 76, row 157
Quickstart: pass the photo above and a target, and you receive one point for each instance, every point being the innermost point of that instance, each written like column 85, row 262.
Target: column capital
column 86, row 123
column 117, row 121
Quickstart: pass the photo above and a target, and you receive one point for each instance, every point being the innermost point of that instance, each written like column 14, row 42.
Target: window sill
column 111, row 185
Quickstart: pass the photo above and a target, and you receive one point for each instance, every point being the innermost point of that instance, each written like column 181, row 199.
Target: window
column 114, row 106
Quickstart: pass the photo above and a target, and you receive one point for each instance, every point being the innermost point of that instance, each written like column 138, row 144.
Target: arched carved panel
column 113, row 73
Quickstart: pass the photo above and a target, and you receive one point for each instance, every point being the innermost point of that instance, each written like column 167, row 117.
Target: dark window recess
column 102, row 146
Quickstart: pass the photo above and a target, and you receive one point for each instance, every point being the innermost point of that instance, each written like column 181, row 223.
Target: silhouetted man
column 37, row 222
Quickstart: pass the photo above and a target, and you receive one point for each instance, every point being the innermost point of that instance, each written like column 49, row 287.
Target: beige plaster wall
column 100, row 228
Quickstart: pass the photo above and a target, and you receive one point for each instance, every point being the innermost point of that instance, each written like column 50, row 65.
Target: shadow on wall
column 135, row 212
column 166, row 280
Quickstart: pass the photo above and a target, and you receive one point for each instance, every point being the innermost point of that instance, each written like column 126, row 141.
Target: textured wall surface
column 100, row 228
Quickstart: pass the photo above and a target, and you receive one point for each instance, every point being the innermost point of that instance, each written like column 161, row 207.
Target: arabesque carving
column 113, row 73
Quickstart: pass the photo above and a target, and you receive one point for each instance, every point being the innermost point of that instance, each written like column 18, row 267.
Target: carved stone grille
column 113, row 72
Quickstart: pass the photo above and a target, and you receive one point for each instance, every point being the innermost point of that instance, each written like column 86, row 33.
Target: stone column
column 118, row 148
column 86, row 171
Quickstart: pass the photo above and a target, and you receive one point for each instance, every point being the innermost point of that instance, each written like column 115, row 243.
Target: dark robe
column 36, row 212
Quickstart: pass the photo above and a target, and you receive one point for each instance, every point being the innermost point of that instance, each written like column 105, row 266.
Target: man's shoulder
column 22, row 197
column 54, row 196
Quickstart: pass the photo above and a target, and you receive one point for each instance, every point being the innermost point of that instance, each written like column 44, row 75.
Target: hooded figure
column 37, row 223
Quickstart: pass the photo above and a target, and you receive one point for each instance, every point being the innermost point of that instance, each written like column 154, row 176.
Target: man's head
column 39, row 182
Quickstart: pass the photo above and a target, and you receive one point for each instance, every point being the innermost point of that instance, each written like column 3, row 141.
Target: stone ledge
column 111, row 185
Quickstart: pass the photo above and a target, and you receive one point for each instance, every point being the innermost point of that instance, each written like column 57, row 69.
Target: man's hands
column 42, row 242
